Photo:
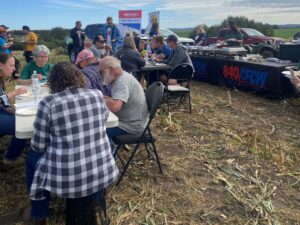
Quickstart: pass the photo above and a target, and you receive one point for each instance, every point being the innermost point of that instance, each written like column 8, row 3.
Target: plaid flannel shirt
column 70, row 129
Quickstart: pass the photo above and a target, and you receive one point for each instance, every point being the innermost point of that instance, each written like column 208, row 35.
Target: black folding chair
column 183, row 74
column 154, row 96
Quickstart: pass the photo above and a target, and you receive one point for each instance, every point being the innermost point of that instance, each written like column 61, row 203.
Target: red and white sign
column 130, row 20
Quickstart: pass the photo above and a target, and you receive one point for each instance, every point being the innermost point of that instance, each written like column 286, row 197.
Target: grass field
column 285, row 33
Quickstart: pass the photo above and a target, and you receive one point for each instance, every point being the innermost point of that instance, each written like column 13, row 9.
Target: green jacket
column 30, row 67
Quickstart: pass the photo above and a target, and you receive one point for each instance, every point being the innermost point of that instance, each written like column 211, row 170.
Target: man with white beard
column 127, row 99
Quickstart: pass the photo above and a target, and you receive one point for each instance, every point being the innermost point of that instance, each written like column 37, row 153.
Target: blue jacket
column 115, row 35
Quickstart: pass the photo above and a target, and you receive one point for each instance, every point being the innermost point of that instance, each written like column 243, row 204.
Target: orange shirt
column 33, row 38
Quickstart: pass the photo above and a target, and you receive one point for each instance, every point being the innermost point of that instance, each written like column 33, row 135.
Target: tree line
column 241, row 21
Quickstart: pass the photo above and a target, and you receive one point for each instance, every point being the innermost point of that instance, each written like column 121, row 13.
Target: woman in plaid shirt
column 70, row 154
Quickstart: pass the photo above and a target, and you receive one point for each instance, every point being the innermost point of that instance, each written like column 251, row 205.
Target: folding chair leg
column 168, row 103
column 128, row 163
column 181, row 99
column 190, row 102
column 147, row 149
column 116, row 152
column 157, row 158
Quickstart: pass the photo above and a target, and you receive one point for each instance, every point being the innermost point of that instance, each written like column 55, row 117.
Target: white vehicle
column 166, row 32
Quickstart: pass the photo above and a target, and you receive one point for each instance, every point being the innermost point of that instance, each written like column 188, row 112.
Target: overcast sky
column 44, row 14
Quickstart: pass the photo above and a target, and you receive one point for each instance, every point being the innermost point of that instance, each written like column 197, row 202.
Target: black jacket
column 131, row 60
column 78, row 41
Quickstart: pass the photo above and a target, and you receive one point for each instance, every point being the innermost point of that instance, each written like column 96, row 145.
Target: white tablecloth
column 24, row 124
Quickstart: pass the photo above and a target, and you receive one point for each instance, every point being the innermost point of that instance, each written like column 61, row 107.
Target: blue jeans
column 114, row 132
column 7, row 127
column 39, row 208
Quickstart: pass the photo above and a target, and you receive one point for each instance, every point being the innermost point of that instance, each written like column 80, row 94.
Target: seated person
column 142, row 49
column 151, row 46
column 136, row 38
column 39, row 64
column 71, row 155
column 130, row 58
column 233, row 37
column 7, row 112
column 179, row 56
column 99, row 49
column 295, row 81
column 127, row 99
column 162, row 50
column 90, row 67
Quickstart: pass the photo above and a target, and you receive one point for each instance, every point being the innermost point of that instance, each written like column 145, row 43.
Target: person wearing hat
column 112, row 34
column 78, row 36
column 30, row 43
column 98, row 48
column 4, row 46
column 179, row 56
column 90, row 68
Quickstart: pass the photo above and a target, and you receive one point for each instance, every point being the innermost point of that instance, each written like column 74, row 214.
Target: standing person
column 154, row 29
column 78, row 36
column 4, row 46
column 112, row 34
column 7, row 117
column 30, row 42
column 71, row 155
column 234, row 36
column 201, row 37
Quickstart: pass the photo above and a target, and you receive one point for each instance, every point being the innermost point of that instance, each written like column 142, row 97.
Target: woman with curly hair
column 70, row 155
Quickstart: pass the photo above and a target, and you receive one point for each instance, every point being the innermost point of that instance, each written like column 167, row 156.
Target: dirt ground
column 234, row 160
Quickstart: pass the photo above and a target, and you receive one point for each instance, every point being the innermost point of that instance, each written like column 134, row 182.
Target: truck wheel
column 267, row 54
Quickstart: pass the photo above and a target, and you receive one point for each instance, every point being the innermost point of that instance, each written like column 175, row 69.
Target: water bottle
column 35, row 86
column 146, row 58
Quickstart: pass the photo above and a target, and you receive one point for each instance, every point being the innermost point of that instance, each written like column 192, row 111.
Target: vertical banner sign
column 153, row 16
column 129, row 21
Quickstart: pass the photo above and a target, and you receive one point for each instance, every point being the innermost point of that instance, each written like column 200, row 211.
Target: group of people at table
column 71, row 151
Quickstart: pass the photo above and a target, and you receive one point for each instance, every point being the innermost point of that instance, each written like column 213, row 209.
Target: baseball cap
column 83, row 55
column 173, row 38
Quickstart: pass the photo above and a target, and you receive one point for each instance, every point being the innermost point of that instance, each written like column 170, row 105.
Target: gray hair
column 41, row 48
column 111, row 62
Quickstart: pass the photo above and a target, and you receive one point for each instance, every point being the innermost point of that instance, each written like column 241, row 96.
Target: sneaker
column 18, row 161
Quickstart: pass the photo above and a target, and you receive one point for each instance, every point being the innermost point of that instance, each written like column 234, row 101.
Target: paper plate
column 28, row 111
